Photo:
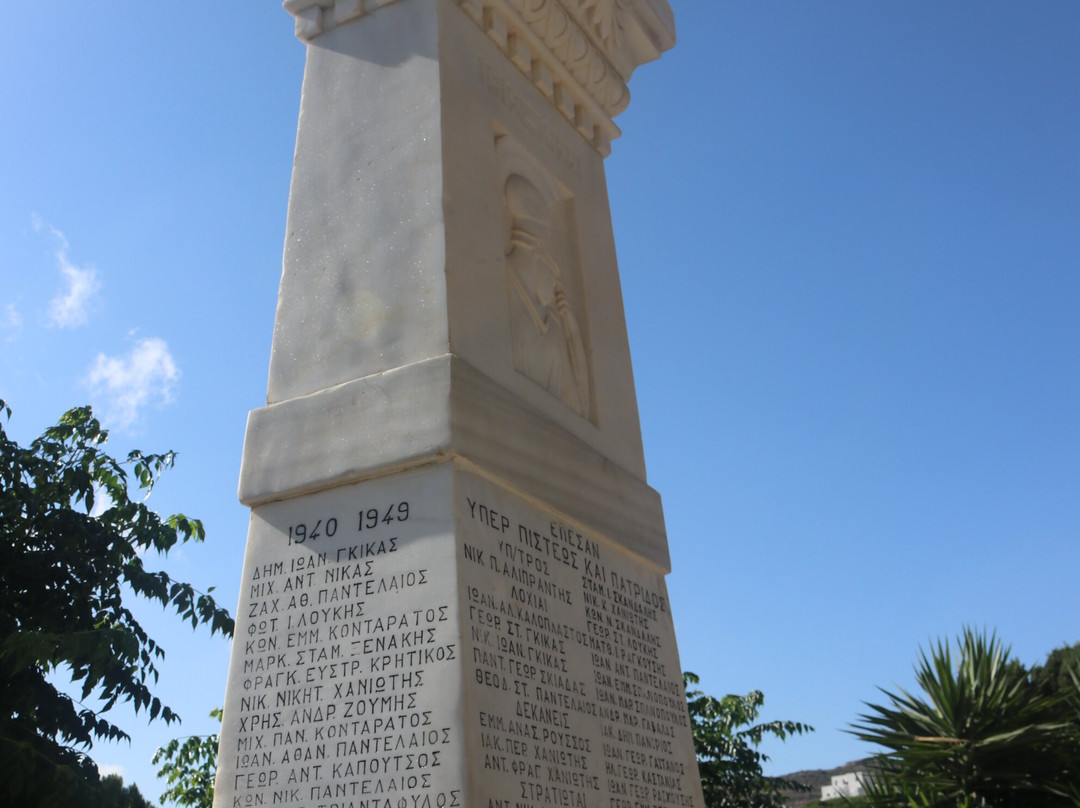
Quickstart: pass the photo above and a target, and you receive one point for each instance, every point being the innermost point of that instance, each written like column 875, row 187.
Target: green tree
column 980, row 734
column 72, row 543
column 117, row 795
column 189, row 766
column 726, row 740
column 1059, row 674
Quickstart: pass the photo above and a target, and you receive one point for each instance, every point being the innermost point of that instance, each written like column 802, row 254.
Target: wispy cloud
column 102, row 501
column 71, row 307
column 11, row 322
column 145, row 375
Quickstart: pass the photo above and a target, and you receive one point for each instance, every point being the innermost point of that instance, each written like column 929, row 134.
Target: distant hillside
column 816, row 778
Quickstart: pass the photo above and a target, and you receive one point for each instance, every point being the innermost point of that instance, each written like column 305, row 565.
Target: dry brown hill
column 816, row 778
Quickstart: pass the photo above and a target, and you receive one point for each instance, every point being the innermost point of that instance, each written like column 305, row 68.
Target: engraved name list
column 348, row 645
column 571, row 665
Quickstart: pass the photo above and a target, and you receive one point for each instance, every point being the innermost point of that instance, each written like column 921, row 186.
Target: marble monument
column 453, row 590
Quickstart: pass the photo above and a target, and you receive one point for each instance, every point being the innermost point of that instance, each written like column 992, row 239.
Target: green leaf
column 726, row 740
column 62, row 607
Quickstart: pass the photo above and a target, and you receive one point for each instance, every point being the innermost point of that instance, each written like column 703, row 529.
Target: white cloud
column 11, row 321
column 70, row 308
column 102, row 501
column 147, row 374
column 110, row 768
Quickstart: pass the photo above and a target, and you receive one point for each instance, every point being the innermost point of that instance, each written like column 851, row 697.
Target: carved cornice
column 314, row 17
column 578, row 53
column 628, row 32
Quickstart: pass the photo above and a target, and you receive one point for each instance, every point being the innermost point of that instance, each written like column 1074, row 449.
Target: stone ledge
column 438, row 411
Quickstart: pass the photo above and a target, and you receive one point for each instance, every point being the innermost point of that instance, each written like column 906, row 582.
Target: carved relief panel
column 548, row 327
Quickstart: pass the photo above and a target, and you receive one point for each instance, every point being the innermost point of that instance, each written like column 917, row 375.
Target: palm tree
column 980, row 735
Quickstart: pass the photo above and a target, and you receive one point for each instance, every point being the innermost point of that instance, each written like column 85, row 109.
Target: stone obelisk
column 453, row 591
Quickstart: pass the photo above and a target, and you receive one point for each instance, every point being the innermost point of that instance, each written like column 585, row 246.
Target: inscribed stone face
column 437, row 639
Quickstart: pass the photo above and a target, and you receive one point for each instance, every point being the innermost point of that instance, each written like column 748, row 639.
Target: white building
column 844, row 785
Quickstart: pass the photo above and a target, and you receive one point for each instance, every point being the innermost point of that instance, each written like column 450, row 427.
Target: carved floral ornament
column 607, row 18
column 578, row 53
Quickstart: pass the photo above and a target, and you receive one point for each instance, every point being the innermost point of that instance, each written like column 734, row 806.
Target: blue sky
column 848, row 234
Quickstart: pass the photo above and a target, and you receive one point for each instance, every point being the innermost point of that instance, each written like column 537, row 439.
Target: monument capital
column 579, row 54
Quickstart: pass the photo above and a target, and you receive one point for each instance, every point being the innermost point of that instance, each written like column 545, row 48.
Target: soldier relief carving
column 548, row 343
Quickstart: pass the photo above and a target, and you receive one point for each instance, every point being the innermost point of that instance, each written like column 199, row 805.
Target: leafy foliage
column 1059, row 673
column 981, row 734
column 72, row 542
column 188, row 766
column 117, row 795
column 726, row 741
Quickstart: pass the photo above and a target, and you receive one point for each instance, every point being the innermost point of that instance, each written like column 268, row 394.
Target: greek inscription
column 566, row 605
column 334, row 669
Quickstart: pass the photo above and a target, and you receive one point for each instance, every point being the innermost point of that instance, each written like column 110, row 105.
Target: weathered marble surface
column 453, row 590
column 435, row 638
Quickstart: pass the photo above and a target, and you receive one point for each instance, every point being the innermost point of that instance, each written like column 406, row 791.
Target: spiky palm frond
column 979, row 734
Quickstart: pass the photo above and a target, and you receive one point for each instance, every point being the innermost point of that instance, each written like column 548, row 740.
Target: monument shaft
column 453, row 591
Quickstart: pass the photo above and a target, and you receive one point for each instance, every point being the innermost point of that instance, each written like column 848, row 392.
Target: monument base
column 434, row 639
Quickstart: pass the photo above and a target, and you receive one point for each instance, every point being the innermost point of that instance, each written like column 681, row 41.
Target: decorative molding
column 555, row 55
column 314, row 17
column 579, row 54
column 604, row 20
